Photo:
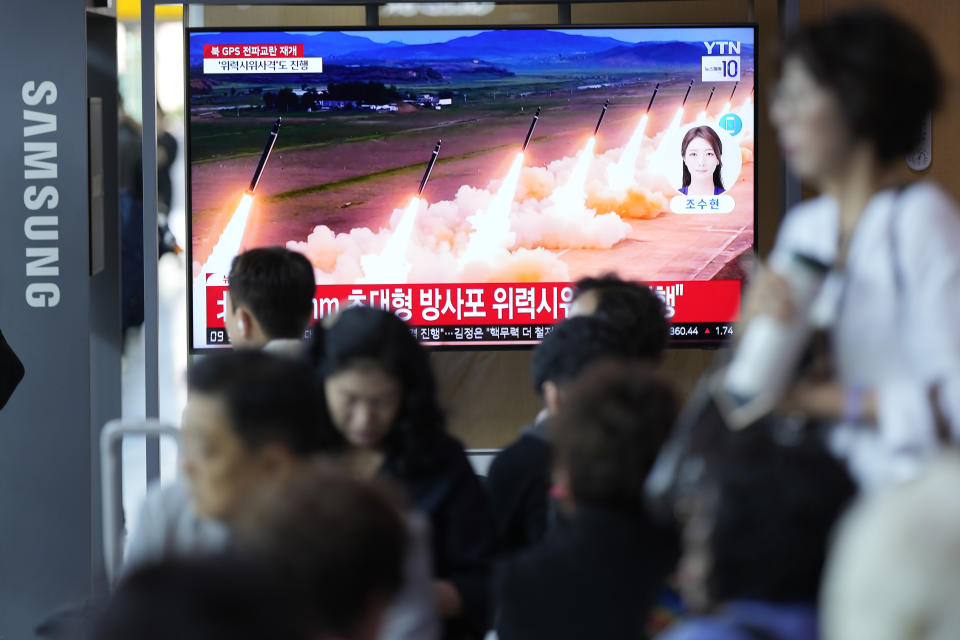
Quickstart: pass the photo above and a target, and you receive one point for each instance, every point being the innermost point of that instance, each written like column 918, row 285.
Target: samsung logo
column 40, row 195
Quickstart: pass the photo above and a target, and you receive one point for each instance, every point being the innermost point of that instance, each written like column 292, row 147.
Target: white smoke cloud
column 591, row 216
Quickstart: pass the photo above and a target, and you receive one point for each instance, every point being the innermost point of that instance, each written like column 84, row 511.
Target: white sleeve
column 413, row 615
column 810, row 229
column 927, row 237
column 146, row 541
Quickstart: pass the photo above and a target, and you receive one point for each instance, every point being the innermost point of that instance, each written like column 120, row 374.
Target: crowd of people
column 323, row 499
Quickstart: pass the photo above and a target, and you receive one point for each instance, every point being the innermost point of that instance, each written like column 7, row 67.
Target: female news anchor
column 701, row 150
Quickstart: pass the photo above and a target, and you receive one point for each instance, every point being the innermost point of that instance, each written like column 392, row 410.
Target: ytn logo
column 723, row 47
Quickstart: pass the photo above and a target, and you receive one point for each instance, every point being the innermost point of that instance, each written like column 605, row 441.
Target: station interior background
column 468, row 379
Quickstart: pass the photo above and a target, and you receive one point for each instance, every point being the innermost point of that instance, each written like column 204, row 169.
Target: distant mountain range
column 531, row 49
column 495, row 46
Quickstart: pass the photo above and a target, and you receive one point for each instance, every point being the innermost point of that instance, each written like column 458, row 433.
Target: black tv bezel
column 188, row 184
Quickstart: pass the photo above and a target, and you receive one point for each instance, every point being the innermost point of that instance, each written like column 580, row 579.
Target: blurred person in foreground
column 210, row 598
column 519, row 476
column 852, row 99
column 756, row 529
column 252, row 419
column 339, row 542
column 630, row 306
column 894, row 568
column 270, row 301
column 319, row 558
column 597, row 576
column 387, row 423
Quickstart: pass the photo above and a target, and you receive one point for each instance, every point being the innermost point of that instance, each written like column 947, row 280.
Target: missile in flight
column 655, row 90
column 267, row 149
column 426, row 174
column 707, row 106
column 603, row 112
column 533, row 124
column 682, row 104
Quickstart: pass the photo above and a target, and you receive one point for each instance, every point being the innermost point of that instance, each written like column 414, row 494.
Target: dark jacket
column 519, row 484
column 11, row 371
column 464, row 538
column 595, row 577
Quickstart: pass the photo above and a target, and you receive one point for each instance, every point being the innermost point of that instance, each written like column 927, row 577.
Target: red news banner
column 515, row 304
column 258, row 58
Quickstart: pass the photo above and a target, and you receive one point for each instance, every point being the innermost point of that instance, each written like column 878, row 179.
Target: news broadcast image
column 465, row 179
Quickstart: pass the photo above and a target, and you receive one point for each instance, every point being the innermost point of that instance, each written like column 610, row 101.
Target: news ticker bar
column 525, row 334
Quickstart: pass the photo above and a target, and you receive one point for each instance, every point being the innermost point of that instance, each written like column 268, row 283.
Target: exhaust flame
column 620, row 175
column 229, row 244
column 227, row 248
column 571, row 196
column 391, row 265
column 677, row 120
column 492, row 227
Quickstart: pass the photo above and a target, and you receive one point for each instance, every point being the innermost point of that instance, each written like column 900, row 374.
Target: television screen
column 464, row 179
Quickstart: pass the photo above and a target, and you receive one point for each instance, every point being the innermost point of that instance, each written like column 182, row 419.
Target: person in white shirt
column 851, row 102
column 270, row 301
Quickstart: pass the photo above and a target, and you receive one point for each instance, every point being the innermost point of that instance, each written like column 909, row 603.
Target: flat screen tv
column 464, row 179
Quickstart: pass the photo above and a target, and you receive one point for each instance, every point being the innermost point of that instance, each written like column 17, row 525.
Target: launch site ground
column 321, row 173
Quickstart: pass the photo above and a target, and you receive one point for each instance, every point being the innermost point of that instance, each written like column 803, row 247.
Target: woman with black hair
column 701, row 150
column 381, row 396
column 852, row 99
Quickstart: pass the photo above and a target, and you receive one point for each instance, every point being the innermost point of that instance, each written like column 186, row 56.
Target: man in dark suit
column 598, row 575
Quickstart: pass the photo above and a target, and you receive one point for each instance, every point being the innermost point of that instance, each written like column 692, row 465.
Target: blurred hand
column 769, row 294
column 825, row 400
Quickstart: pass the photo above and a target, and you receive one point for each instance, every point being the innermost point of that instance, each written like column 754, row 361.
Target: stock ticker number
column 217, row 336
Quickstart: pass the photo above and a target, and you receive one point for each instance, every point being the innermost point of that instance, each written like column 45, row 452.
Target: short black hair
column 612, row 425
column 634, row 308
column 278, row 286
column 362, row 335
column 572, row 346
column 883, row 72
column 774, row 506
column 268, row 398
column 338, row 540
column 201, row 598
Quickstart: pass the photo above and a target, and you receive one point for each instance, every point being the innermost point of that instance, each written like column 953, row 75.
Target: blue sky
column 427, row 36
column 664, row 35
column 412, row 37
column 744, row 35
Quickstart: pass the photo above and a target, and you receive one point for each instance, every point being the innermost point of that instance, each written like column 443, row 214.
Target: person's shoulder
column 523, row 454
column 526, row 445
column 171, row 500
column 813, row 208
column 806, row 228
column 705, row 628
column 930, row 200
column 549, row 565
column 927, row 228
